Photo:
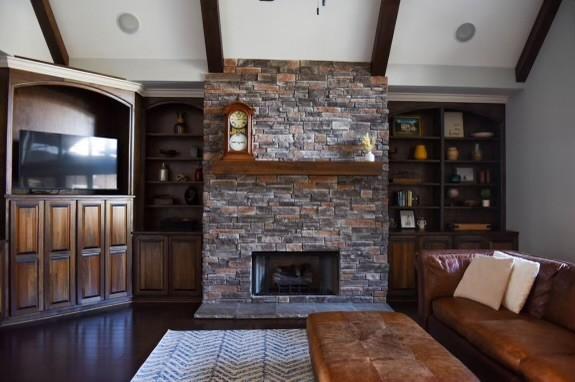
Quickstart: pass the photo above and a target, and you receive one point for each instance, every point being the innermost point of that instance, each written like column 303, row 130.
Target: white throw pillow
column 485, row 281
column 521, row 281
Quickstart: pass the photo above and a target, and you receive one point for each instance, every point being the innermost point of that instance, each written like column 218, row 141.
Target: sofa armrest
column 438, row 273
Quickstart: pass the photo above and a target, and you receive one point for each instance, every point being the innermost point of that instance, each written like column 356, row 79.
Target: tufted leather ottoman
column 378, row 346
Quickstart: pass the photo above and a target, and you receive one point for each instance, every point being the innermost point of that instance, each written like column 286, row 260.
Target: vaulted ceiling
column 169, row 45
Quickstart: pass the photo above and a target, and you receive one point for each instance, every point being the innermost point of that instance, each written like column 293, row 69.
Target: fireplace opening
column 295, row 273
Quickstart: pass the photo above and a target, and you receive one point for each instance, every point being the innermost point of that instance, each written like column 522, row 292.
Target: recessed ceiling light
column 128, row 23
column 465, row 32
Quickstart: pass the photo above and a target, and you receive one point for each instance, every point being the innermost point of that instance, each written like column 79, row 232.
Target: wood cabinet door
column 470, row 242
column 507, row 241
column 151, row 261
column 185, row 265
column 26, row 256
column 402, row 252
column 91, row 249
column 60, row 253
column 431, row 243
column 118, row 248
column 3, row 279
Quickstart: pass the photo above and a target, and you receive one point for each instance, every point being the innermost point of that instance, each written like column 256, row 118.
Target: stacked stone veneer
column 303, row 111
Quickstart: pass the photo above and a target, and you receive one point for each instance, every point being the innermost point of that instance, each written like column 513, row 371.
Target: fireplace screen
column 295, row 273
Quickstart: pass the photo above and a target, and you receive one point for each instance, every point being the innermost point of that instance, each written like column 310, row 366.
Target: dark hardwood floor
column 104, row 347
column 107, row 346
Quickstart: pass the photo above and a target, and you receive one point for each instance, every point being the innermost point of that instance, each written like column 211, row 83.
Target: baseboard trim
column 78, row 310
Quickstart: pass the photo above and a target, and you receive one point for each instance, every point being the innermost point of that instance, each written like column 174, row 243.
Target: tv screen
column 50, row 161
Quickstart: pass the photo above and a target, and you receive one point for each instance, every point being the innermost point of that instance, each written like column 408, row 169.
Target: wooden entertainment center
column 67, row 251
column 64, row 252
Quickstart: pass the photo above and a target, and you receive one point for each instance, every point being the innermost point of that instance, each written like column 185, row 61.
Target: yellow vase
column 420, row 152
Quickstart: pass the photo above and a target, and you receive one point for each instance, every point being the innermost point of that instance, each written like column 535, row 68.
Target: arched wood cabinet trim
column 124, row 100
column 160, row 103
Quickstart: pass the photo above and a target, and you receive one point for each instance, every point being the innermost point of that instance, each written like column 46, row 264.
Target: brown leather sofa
column 536, row 345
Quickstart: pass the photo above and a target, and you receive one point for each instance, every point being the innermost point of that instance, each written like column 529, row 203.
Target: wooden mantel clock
column 239, row 126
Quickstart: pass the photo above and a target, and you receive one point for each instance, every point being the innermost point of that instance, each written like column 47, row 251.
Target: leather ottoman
column 378, row 346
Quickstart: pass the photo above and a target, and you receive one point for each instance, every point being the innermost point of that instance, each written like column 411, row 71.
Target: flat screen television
column 54, row 162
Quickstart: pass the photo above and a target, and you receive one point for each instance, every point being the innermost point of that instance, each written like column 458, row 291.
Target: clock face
column 238, row 119
column 238, row 142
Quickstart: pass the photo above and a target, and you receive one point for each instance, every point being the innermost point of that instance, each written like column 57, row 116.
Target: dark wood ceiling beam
column 536, row 38
column 51, row 31
column 384, row 36
column 213, row 35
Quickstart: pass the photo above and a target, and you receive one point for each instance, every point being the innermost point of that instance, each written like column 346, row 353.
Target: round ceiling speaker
column 128, row 23
column 465, row 32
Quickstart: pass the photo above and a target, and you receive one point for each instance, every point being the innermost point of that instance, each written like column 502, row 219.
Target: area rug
column 229, row 355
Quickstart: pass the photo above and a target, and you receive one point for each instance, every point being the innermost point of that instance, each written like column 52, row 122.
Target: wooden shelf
column 174, row 135
column 172, row 159
column 174, row 206
column 411, row 232
column 334, row 168
column 415, row 208
column 427, row 138
column 469, row 208
column 427, row 161
column 472, row 139
column 423, row 184
column 490, row 185
column 476, row 162
column 175, row 233
column 172, row 182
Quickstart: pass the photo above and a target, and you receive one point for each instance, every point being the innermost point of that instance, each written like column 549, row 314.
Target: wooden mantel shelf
column 329, row 168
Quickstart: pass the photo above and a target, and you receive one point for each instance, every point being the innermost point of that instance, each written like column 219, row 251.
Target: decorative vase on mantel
column 370, row 157
column 368, row 145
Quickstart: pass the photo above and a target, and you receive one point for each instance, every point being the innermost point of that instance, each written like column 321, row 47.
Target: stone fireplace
column 310, row 111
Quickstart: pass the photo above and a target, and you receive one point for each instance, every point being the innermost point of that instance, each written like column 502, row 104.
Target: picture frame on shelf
column 407, row 126
column 407, row 219
column 453, row 124
column 466, row 174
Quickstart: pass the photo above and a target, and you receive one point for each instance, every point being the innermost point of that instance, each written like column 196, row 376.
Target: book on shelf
column 405, row 199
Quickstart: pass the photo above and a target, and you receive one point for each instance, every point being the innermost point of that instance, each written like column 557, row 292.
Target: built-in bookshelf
column 172, row 204
column 439, row 197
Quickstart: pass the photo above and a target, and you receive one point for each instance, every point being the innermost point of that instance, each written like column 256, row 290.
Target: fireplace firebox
column 295, row 273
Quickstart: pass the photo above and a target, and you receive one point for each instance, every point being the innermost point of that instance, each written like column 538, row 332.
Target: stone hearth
column 230, row 310
column 315, row 111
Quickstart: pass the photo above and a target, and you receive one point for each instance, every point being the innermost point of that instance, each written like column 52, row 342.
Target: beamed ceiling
column 170, row 44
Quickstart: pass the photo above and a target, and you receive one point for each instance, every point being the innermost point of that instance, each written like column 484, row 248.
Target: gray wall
column 541, row 147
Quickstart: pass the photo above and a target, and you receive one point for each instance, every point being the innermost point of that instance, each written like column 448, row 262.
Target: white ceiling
column 290, row 29
column 170, row 42
column 425, row 32
column 169, row 29
column 20, row 33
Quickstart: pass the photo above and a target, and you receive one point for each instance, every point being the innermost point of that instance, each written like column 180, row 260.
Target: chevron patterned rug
column 229, row 355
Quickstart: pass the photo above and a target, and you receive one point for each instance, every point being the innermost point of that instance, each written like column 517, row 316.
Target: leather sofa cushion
column 552, row 368
column 512, row 341
column 541, row 290
column 458, row 313
column 505, row 336
column 561, row 306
